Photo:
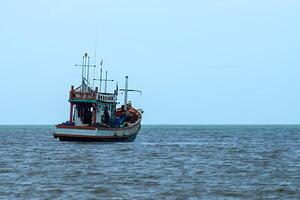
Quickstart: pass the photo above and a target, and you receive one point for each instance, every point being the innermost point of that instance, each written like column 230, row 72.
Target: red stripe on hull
column 81, row 138
column 85, row 136
column 76, row 127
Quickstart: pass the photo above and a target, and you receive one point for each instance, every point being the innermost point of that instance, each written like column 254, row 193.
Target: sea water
column 164, row 162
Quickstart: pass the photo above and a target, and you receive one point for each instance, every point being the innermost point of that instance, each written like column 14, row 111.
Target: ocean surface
column 164, row 162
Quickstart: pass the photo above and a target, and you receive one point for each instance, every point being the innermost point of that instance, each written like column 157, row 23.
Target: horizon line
column 237, row 124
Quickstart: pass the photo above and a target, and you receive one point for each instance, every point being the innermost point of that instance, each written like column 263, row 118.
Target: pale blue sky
column 197, row 62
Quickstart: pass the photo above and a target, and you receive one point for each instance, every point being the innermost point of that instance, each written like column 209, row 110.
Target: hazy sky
column 197, row 62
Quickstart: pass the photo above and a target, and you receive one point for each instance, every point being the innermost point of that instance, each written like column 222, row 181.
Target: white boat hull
column 88, row 134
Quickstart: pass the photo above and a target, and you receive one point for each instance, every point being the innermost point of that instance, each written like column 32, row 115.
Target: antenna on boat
column 85, row 71
column 101, row 63
column 88, row 70
column 82, row 74
column 100, row 86
column 95, row 55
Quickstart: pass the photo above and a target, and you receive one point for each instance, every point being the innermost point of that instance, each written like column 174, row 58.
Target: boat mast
column 126, row 93
column 126, row 90
column 100, row 76
column 85, row 71
column 100, row 84
column 82, row 80
column 105, row 81
column 88, row 71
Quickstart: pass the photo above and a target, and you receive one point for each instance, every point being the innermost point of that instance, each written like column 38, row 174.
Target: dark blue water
column 165, row 162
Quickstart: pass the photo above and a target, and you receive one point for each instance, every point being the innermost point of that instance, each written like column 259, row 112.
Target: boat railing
column 107, row 97
column 83, row 95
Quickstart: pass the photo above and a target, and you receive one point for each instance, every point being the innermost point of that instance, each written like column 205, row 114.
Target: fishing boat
column 94, row 114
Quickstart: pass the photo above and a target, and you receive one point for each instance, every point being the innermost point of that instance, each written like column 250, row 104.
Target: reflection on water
column 165, row 162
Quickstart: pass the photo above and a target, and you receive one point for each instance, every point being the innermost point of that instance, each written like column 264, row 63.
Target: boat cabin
column 92, row 108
